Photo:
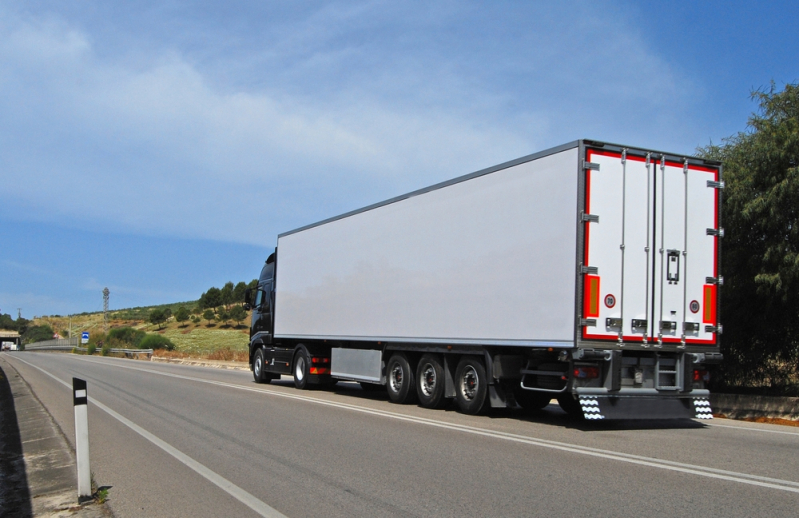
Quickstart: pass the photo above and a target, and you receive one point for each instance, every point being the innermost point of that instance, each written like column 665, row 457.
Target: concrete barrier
column 738, row 406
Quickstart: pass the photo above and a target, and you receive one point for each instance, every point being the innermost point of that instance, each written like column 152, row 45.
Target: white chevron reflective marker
column 590, row 408
column 79, row 400
column 702, row 408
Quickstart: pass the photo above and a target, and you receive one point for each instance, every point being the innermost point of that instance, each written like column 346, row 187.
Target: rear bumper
column 645, row 407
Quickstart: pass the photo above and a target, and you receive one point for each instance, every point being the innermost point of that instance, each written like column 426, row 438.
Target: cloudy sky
column 158, row 148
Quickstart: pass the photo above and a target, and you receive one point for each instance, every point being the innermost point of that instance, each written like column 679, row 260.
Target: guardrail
column 68, row 344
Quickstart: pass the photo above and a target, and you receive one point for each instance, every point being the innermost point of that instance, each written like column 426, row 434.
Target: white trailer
column 587, row 272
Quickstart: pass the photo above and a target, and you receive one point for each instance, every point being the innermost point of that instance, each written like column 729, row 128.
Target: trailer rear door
column 650, row 258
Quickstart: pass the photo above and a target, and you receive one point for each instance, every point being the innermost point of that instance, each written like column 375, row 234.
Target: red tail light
column 320, row 370
column 701, row 375
column 320, row 360
column 586, row 372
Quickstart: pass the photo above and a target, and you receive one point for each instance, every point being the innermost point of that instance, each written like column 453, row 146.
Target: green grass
column 202, row 341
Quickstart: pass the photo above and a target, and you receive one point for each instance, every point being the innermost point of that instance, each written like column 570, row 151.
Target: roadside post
column 80, row 400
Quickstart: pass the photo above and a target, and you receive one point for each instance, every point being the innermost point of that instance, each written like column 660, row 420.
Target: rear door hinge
column 591, row 218
column 591, row 270
column 715, row 280
column 590, row 165
column 714, row 329
column 715, row 232
column 715, row 185
column 588, row 322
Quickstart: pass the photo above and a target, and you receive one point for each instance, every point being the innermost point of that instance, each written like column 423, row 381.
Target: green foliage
column 182, row 314
column 223, row 315
column 130, row 338
column 19, row 325
column 238, row 314
column 209, row 315
column 196, row 319
column 238, row 292
column 226, row 293
column 157, row 317
column 211, row 299
column 760, row 215
column 106, row 350
column 91, row 349
column 155, row 341
column 37, row 334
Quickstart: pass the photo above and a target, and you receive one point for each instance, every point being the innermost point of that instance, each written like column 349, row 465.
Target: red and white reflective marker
column 610, row 300
column 80, row 400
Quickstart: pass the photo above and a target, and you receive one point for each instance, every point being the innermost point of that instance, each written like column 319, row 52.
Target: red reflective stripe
column 709, row 299
column 591, row 296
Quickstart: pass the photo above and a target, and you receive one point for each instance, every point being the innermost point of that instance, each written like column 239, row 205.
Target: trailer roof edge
column 440, row 185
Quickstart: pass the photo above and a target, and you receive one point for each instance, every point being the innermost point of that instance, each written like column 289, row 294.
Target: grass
column 202, row 340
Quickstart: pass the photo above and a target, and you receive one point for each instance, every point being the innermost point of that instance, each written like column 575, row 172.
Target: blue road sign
column 84, row 337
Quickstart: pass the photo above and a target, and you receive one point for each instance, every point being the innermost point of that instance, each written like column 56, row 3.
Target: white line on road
column 750, row 429
column 229, row 487
column 704, row 471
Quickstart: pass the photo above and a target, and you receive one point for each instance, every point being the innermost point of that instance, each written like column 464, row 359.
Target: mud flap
column 609, row 407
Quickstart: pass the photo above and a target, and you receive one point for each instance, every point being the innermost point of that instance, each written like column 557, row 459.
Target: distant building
column 9, row 340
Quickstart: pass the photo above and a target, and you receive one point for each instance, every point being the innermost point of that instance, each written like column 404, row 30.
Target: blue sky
column 158, row 148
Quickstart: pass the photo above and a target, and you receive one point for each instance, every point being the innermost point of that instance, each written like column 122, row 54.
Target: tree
column 182, row 315
column 213, row 298
column 253, row 284
column 226, row 294
column 209, row 315
column 223, row 315
column 760, row 215
column 37, row 334
column 238, row 292
column 238, row 314
column 157, row 317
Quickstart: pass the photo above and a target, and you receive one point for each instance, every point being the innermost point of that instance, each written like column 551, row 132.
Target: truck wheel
column 302, row 367
column 399, row 383
column 430, row 381
column 530, row 400
column 258, row 368
column 471, row 386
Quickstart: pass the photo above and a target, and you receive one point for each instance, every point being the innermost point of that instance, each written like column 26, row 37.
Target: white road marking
column 704, row 471
column 229, row 487
column 750, row 429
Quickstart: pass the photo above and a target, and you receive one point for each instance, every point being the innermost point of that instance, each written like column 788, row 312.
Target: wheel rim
column 428, row 381
column 469, row 383
column 257, row 367
column 299, row 369
column 395, row 379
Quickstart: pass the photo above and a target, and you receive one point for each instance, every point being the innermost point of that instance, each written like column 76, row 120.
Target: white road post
column 80, row 399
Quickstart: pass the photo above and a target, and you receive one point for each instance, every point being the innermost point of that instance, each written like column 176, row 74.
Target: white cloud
column 163, row 146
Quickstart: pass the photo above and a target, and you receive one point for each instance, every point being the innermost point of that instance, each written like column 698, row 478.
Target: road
column 174, row 440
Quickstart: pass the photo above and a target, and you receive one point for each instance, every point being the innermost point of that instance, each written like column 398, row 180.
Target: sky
column 158, row 148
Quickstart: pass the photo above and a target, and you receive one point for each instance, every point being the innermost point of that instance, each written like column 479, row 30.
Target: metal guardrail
column 66, row 344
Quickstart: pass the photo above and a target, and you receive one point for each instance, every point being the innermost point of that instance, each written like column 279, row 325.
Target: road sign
column 84, row 337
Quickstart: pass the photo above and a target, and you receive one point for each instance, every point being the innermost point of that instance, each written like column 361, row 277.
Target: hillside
column 191, row 339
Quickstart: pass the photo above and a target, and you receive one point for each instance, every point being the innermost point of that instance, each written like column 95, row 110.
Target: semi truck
column 586, row 273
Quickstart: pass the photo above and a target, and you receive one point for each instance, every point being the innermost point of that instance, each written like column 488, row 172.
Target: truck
column 586, row 273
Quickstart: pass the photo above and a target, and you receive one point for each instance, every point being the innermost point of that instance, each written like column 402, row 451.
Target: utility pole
column 105, row 309
column 19, row 313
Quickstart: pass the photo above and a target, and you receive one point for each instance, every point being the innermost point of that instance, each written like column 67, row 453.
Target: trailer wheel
column 471, row 386
column 302, row 367
column 430, row 381
column 399, row 383
column 530, row 400
column 258, row 367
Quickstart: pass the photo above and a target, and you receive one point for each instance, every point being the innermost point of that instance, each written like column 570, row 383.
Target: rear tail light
column 320, row 360
column 320, row 370
column 586, row 372
column 701, row 375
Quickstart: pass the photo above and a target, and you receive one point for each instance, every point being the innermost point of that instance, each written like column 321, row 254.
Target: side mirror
column 247, row 295
column 246, row 306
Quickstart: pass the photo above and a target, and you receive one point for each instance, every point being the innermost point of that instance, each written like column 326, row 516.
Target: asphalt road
column 174, row 440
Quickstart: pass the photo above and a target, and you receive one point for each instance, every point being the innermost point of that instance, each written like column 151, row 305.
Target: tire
column 530, row 400
column 471, row 386
column 400, row 380
column 302, row 368
column 570, row 406
column 430, row 381
column 259, row 368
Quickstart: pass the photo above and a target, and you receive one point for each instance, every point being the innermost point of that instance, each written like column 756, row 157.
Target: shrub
column 128, row 335
column 91, row 349
column 153, row 341
column 106, row 349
